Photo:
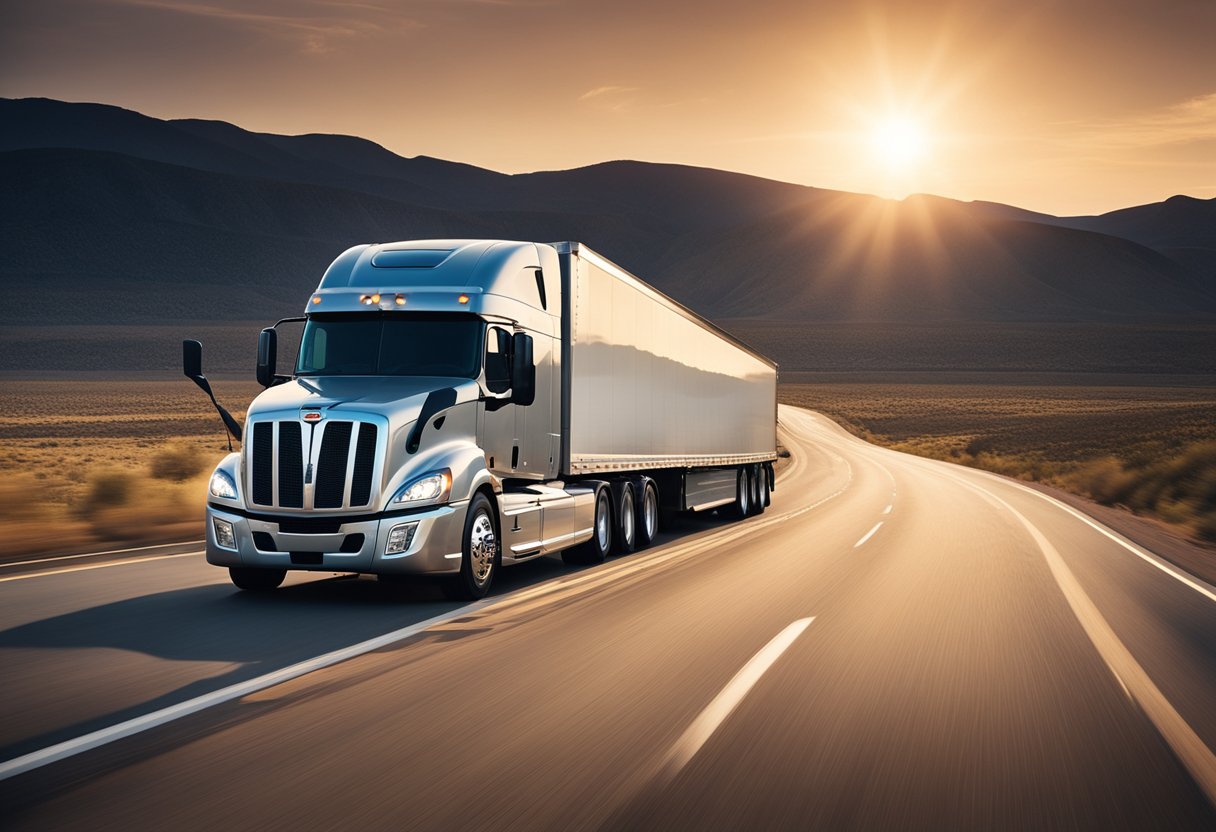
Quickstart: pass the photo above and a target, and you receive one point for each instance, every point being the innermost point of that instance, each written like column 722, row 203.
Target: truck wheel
column 256, row 580
column 478, row 553
column 743, row 495
column 648, row 516
column 596, row 549
column 757, row 474
column 626, row 532
column 766, row 497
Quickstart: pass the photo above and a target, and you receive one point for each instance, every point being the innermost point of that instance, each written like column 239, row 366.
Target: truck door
column 498, row 425
column 534, row 423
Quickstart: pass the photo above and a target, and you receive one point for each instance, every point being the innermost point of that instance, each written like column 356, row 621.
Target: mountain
column 138, row 219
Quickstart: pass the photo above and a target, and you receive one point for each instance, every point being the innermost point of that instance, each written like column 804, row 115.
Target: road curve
column 896, row 643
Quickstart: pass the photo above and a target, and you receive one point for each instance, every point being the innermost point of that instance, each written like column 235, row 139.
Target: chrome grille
column 327, row 465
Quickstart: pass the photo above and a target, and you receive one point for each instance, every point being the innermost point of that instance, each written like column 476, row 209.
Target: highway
column 896, row 643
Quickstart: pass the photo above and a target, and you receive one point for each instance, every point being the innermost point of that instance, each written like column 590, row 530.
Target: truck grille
column 343, row 462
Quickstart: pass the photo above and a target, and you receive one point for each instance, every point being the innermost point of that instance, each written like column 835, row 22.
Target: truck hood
column 397, row 398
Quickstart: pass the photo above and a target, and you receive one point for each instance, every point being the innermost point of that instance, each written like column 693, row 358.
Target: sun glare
column 899, row 143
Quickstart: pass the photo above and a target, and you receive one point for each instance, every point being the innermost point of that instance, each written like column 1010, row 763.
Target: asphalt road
column 896, row 643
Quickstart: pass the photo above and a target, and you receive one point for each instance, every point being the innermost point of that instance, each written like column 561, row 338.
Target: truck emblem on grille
column 313, row 416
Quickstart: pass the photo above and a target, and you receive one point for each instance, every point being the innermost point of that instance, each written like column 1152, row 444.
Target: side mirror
column 268, row 356
column 523, row 370
column 192, row 366
column 192, row 359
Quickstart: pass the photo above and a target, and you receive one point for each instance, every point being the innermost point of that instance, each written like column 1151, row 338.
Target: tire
column 766, row 495
column 757, row 474
column 742, row 506
column 625, row 531
column 252, row 579
column 479, row 553
column 597, row 548
column 648, row 515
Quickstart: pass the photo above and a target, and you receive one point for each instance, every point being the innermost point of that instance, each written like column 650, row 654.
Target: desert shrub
column 1104, row 480
column 177, row 461
column 1205, row 529
column 108, row 489
column 21, row 498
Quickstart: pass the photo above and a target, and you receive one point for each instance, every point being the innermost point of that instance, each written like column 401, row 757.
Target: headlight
column 222, row 486
column 431, row 488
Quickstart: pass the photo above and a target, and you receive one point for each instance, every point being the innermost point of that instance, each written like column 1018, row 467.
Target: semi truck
column 459, row 406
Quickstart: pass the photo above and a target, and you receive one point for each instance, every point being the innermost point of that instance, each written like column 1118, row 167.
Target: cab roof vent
column 409, row 258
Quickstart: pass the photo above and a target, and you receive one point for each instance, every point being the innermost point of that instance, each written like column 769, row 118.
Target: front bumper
column 434, row 549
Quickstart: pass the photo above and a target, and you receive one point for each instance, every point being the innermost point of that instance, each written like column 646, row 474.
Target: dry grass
column 1150, row 449
column 121, row 462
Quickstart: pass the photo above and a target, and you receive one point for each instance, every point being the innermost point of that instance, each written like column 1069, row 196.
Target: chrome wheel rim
column 601, row 523
column 650, row 513
column 483, row 547
column 628, row 520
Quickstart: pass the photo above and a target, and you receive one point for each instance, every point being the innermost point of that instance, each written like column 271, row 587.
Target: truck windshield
column 391, row 344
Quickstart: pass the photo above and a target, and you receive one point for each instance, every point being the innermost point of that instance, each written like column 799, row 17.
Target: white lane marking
column 868, row 535
column 77, row 745
column 716, row 712
column 124, row 562
column 1132, row 677
column 1200, row 586
column 887, row 510
column 59, row 558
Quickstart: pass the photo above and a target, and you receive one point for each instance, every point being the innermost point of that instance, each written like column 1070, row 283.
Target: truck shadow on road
column 249, row 633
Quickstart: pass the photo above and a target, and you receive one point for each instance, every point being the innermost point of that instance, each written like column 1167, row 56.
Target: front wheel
column 256, row 580
column 478, row 553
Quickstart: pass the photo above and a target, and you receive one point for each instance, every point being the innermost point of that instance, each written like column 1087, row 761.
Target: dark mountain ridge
column 206, row 220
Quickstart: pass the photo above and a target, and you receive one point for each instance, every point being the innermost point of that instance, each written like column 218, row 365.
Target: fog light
column 400, row 538
column 225, row 537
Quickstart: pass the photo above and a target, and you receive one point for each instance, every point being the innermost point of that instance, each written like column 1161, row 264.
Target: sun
column 899, row 143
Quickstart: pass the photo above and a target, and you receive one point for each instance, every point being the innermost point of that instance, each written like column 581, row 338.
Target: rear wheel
column 757, row 475
column 626, row 532
column 742, row 506
column 256, row 580
column 478, row 553
column 596, row 549
column 766, row 497
column 648, row 515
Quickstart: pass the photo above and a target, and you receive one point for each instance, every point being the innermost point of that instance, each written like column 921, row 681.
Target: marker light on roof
column 316, row 299
column 366, row 300
column 376, row 298
column 401, row 300
column 462, row 299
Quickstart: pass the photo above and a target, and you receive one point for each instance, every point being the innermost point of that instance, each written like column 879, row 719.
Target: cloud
column 608, row 90
column 1186, row 121
column 317, row 26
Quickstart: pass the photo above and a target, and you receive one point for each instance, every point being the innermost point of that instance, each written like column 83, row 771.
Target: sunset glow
column 1030, row 104
column 899, row 143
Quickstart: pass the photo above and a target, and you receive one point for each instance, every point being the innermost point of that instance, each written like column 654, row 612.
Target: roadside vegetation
column 1151, row 450
column 89, row 464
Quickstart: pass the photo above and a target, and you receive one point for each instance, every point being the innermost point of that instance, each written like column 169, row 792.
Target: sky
column 1063, row 106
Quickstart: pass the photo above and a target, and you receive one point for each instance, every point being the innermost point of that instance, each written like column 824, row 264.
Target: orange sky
column 1068, row 107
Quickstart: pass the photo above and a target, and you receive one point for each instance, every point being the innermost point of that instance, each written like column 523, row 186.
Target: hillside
column 147, row 220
